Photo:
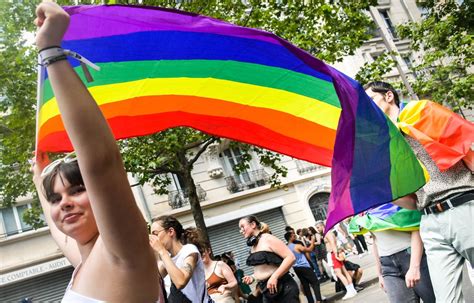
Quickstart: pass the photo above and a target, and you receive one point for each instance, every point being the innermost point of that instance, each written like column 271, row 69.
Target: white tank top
column 70, row 296
column 73, row 297
column 390, row 242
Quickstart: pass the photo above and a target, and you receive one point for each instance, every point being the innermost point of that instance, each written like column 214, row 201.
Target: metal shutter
column 226, row 236
column 45, row 288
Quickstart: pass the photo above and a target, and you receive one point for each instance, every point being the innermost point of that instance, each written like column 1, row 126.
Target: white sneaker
column 349, row 295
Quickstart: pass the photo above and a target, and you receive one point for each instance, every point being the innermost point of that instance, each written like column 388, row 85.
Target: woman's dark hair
column 304, row 232
column 383, row 87
column 168, row 222
column 251, row 219
column 67, row 170
column 189, row 235
column 312, row 229
column 193, row 236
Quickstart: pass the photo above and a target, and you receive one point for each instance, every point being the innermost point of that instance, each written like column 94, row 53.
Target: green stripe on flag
column 249, row 73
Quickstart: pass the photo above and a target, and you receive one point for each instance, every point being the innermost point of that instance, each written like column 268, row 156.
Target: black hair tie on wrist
column 55, row 59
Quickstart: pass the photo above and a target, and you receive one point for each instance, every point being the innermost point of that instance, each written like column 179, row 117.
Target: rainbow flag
column 165, row 68
column 446, row 137
column 385, row 217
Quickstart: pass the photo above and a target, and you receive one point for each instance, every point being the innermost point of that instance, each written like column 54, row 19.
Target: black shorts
column 288, row 291
column 351, row 266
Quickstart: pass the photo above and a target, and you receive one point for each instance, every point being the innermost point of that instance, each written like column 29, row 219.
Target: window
column 373, row 31
column 230, row 157
column 251, row 178
column 178, row 195
column 408, row 61
column 12, row 220
column 177, row 182
column 319, row 204
column 375, row 56
column 389, row 24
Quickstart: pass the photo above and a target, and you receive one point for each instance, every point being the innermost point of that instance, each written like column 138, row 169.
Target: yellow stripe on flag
column 245, row 94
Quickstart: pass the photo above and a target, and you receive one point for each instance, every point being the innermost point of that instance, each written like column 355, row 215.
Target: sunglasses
column 69, row 158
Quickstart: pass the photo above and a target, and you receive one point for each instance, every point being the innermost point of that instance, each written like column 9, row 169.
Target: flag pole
column 39, row 97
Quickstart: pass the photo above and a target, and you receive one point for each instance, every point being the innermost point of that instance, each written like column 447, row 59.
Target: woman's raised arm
column 120, row 223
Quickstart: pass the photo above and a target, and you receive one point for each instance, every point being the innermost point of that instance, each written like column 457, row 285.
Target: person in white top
column 178, row 252
column 402, row 267
column 88, row 199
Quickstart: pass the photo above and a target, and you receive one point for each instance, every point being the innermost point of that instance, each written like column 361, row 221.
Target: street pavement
column 372, row 291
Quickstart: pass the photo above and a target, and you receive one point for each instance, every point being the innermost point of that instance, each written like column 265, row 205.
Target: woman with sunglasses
column 89, row 199
column 178, row 252
column 271, row 260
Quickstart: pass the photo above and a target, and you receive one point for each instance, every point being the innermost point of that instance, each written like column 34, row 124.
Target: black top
column 263, row 257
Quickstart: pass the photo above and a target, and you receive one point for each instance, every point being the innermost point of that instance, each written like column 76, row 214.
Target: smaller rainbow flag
column 386, row 217
column 446, row 137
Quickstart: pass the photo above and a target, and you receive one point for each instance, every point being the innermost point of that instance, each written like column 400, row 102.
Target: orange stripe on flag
column 295, row 127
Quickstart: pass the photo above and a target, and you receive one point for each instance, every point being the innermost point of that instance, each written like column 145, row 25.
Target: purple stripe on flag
column 340, row 201
column 145, row 18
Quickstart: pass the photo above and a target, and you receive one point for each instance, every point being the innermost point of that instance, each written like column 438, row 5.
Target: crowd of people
column 87, row 198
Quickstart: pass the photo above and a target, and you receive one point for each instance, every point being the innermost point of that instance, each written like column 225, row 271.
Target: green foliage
column 445, row 34
column 17, row 101
column 376, row 70
column 266, row 158
column 151, row 158
column 33, row 215
column 270, row 159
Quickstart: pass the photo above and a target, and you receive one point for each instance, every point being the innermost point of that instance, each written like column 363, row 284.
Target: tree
column 375, row 71
column 17, row 101
column 327, row 30
column 445, row 35
column 174, row 151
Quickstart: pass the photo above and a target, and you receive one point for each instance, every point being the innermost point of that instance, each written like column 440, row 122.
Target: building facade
column 386, row 16
column 31, row 265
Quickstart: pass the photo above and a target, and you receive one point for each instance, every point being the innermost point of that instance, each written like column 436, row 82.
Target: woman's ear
column 389, row 97
column 254, row 225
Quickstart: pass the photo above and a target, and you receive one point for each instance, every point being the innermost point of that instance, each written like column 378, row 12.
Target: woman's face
column 247, row 229
column 71, row 210
column 163, row 234
column 320, row 228
column 206, row 256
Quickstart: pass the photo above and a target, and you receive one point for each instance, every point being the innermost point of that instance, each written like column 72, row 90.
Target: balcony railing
column 180, row 198
column 247, row 180
column 304, row 167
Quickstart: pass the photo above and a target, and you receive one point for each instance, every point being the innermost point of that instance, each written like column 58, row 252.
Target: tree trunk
column 195, row 205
